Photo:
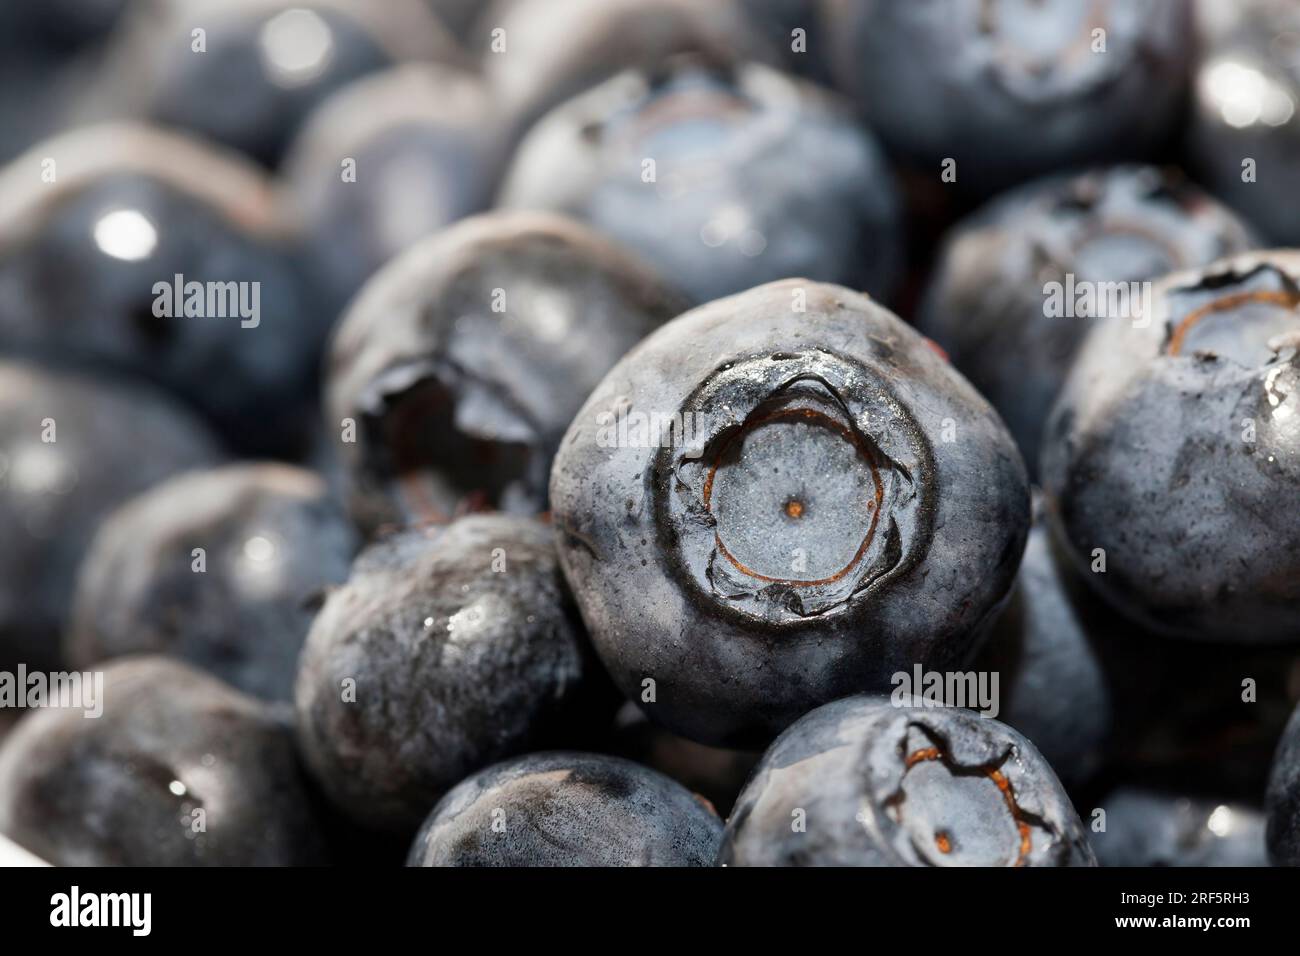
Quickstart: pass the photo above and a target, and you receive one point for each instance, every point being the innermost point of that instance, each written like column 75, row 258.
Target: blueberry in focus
column 779, row 499
column 1244, row 141
column 1172, row 458
column 263, row 66
column 447, row 649
column 1009, row 283
column 861, row 782
column 1009, row 89
column 547, row 51
column 456, row 371
column 270, row 541
column 72, row 448
column 424, row 152
column 89, row 263
column 179, row 770
column 1152, row 827
column 724, row 175
column 1282, row 801
column 568, row 809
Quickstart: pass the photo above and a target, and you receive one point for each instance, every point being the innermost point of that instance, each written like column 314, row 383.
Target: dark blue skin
column 1199, row 540
column 462, row 362
column 723, row 212
column 1010, row 89
column 1151, row 827
column 568, row 809
column 1245, row 92
column 122, row 790
column 70, row 290
column 427, row 152
column 557, row 49
column 1283, row 798
column 860, row 782
column 986, row 303
column 840, row 539
column 273, row 539
column 112, row 441
column 463, row 649
column 260, row 77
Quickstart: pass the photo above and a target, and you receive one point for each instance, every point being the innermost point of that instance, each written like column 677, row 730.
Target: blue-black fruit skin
column 842, row 766
column 721, row 677
column 1252, row 40
column 934, row 82
column 723, row 212
column 244, row 616
column 104, row 792
column 455, row 665
column 473, row 311
column 986, row 304
column 1153, row 827
column 1181, row 466
column 568, row 809
column 1283, row 798
column 112, row 440
column 252, row 375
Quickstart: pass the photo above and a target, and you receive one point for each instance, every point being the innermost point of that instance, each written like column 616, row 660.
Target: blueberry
column 90, row 259
column 782, row 498
column 1174, row 447
column 458, row 16
column 425, row 153
column 690, row 165
column 462, row 362
column 990, row 305
column 1009, row 89
column 270, row 541
column 568, row 809
column 550, row 50
column 448, row 648
column 180, row 770
column 1283, row 798
column 860, row 782
column 1147, row 827
column 263, row 65
column 72, row 448
column 1246, row 90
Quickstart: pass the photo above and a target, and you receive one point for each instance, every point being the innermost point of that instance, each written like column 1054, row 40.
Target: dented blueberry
column 568, row 809
column 72, row 448
column 779, row 499
column 861, row 782
column 222, row 568
column 178, row 770
column 447, row 649
column 1017, row 285
column 1172, row 457
column 456, row 371
column 1008, row 90
column 690, row 165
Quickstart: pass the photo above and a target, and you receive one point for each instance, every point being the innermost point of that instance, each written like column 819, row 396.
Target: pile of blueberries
column 650, row 432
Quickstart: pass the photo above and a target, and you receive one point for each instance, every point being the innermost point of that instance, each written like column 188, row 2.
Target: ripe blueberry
column 1151, row 827
column 568, row 809
column 782, row 498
